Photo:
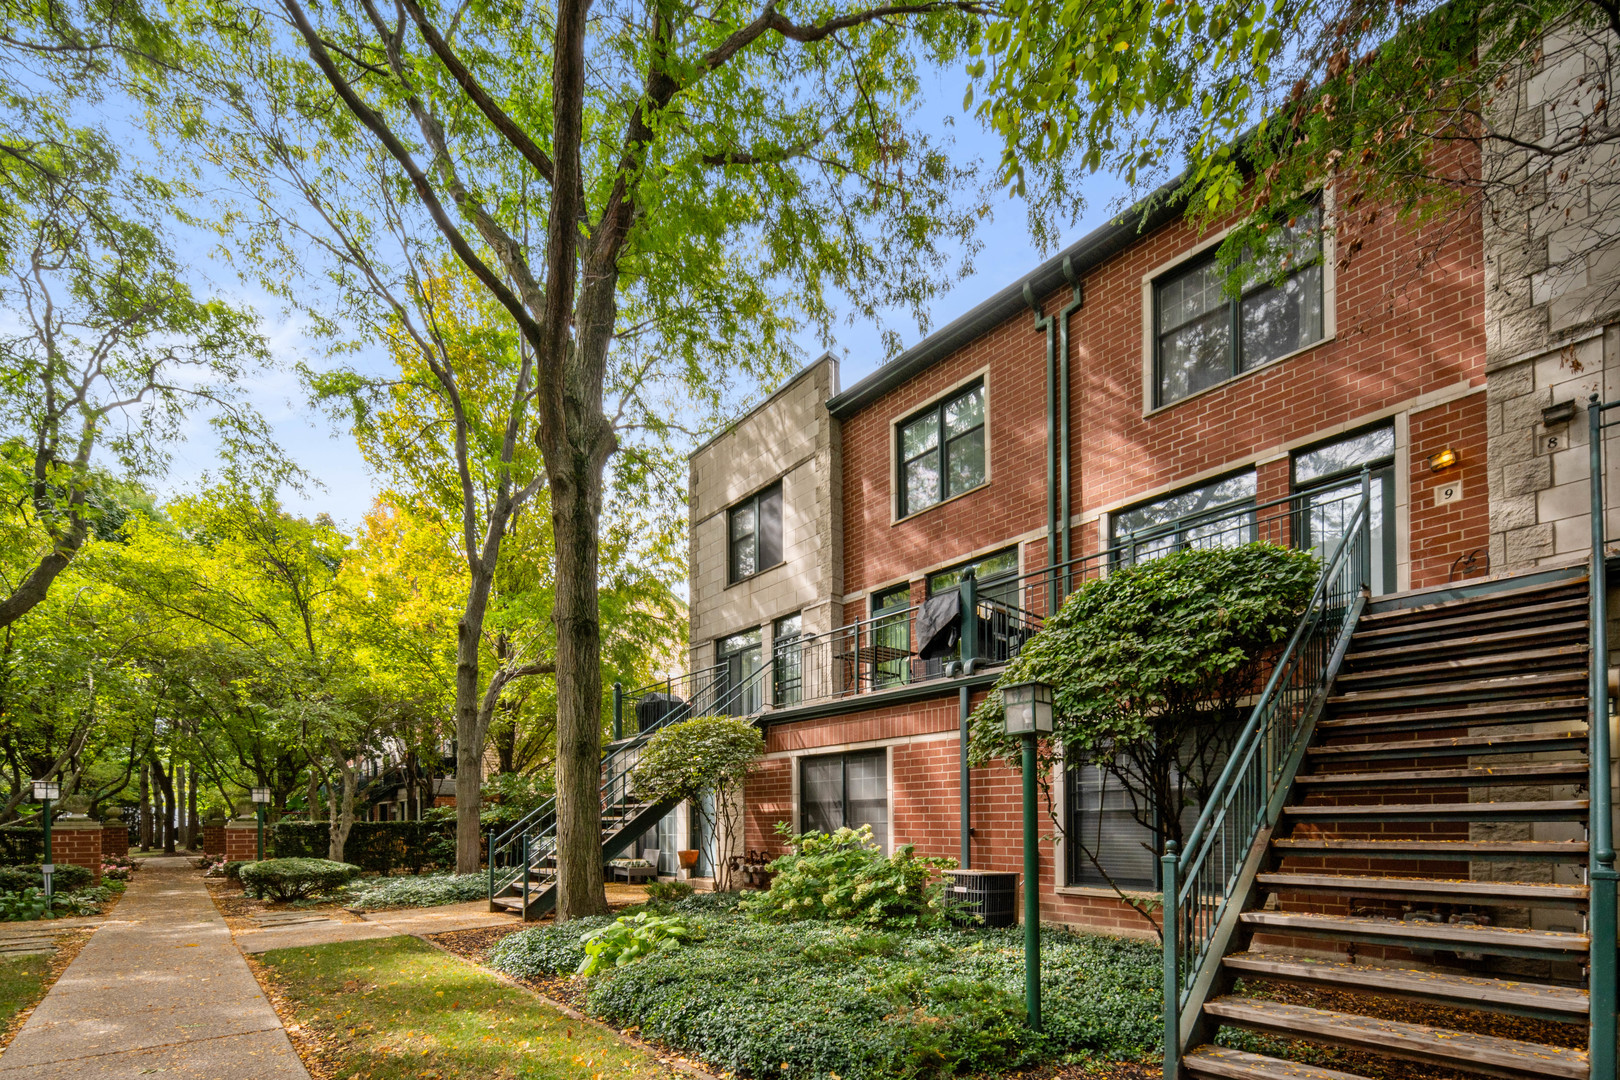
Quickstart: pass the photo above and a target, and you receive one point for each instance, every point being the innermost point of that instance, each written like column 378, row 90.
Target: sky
column 341, row 485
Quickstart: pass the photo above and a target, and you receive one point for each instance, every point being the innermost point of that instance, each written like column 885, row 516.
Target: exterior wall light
column 1445, row 459
column 47, row 790
column 1028, row 708
column 1555, row 415
column 261, row 799
column 44, row 792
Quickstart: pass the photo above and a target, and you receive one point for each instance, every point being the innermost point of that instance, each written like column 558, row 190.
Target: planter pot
column 688, row 858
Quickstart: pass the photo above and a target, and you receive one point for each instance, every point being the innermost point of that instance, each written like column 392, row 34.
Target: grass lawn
column 398, row 1008
column 23, row 981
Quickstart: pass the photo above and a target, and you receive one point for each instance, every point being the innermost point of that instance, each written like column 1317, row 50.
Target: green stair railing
column 1601, row 879
column 1206, row 883
column 532, row 842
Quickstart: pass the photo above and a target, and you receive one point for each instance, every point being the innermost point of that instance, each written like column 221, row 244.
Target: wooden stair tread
column 1441, row 986
column 1472, row 641
column 1529, row 592
column 1453, row 936
column 1516, row 742
column 1528, row 770
column 1526, row 657
column 1430, row 888
column 1421, row 1042
column 1494, row 683
column 1479, row 811
column 1456, row 849
column 1222, row 1063
column 1561, row 609
column 1470, row 714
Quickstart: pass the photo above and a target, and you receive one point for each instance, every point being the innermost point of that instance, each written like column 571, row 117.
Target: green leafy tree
column 656, row 198
column 1148, row 666
column 697, row 758
column 1246, row 110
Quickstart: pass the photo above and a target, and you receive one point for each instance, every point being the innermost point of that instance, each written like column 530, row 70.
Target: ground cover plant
column 429, row 890
column 814, row 999
column 399, row 1009
column 295, row 879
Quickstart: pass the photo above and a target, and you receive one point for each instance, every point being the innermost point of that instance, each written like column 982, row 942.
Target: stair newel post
column 618, row 711
column 1172, row 969
column 1364, row 530
column 969, row 593
column 1602, row 880
column 525, row 876
column 491, row 859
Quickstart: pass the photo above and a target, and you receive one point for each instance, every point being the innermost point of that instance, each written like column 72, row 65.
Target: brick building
column 1112, row 400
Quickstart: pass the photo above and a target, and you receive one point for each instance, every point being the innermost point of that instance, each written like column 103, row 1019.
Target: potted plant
column 688, row 859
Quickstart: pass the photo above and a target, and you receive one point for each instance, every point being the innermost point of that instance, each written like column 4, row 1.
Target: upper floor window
column 1209, row 515
column 942, row 451
column 1203, row 335
column 755, row 531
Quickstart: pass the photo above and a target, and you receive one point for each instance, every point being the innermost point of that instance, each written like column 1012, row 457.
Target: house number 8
column 1552, row 442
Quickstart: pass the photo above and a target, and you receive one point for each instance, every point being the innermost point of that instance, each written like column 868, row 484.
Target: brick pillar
column 241, row 840
column 77, row 841
column 214, row 836
column 114, row 837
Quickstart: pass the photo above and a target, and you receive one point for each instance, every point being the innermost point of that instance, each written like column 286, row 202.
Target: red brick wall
column 78, row 843
column 1443, row 534
column 924, row 801
column 1402, row 331
column 213, row 839
column 242, row 842
column 114, row 838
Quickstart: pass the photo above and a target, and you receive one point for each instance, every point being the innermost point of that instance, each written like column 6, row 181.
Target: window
column 1204, row 516
column 1104, row 828
column 942, row 451
column 787, row 645
column 890, row 637
column 1203, row 336
column 755, row 531
column 1327, row 485
column 739, row 691
column 997, row 588
column 836, row 790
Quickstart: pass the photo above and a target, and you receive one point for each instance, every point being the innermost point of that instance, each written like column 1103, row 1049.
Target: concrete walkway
column 298, row 931
column 160, row 989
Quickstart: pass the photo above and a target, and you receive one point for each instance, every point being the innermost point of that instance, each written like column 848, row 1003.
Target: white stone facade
column 792, row 438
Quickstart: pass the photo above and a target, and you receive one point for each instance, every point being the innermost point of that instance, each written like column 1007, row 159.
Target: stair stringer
column 1231, row 935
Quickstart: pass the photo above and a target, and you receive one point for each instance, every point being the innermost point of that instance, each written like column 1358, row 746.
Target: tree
column 1252, row 108
column 654, row 197
column 698, row 758
column 1148, row 666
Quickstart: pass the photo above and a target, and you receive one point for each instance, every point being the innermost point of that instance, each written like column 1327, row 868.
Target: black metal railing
column 1603, row 882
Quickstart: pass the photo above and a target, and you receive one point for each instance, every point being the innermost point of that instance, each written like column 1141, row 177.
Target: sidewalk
column 160, row 989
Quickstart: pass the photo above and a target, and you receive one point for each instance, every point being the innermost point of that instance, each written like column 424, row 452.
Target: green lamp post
column 1028, row 714
column 261, row 799
column 46, row 792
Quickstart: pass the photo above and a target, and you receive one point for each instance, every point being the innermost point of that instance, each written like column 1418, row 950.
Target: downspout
column 1043, row 324
column 1069, row 309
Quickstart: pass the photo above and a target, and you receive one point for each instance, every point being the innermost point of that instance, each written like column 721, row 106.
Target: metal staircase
column 1442, row 836
column 523, row 859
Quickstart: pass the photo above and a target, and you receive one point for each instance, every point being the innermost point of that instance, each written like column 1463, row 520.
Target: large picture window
column 836, row 790
column 754, row 529
column 942, row 451
column 1202, row 517
column 1203, row 335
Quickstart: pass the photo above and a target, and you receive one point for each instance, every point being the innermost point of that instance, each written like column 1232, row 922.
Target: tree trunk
column 341, row 818
column 146, row 807
column 165, row 784
column 182, row 833
column 469, row 739
column 312, row 796
column 193, row 822
column 576, row 513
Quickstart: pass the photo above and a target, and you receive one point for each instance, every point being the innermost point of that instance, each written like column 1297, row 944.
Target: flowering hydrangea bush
column 843, row 876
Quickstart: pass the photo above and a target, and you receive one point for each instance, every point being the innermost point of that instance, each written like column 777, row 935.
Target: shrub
column 376, row 846
column 64, row 879
column 545, row 950
column 25, row 905
column 665, row 892
column 429, row 890
column 631, row 938
column 843, row 876
column 295, row 879
column 233, row 869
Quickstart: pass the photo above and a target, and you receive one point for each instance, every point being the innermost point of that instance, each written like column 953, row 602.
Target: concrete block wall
column 789, row 437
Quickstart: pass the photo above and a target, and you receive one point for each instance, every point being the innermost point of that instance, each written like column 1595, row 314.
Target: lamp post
column 1028, row 714
column 45, row 791
column 261, row 799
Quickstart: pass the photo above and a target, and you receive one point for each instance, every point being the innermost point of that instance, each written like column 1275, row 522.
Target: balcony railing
column 993, row 620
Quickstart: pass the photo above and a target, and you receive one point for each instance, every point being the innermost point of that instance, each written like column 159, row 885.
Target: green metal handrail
column 1201, row 883
column 1603, row 995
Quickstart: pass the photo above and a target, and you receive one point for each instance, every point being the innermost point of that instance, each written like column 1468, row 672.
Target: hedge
column 295, row 879
column 22, row 844
column 65, row 878
column 376, row 846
